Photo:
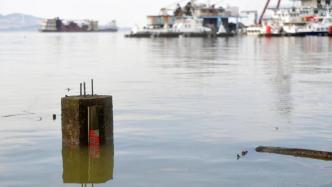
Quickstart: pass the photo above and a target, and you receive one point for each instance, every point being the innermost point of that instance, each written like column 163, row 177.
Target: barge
column 59, row 25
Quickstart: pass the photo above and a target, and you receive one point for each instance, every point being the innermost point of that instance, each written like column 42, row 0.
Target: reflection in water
column 281, row 71
column 193, row 54
column 88, row 165
column 283, row 86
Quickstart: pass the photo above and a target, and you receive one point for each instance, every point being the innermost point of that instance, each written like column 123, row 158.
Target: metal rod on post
column 80, row 89
column 92, row 87
column 84, row 89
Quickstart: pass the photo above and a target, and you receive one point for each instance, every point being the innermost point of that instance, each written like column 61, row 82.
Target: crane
column 263, row 12
column 278, row 4
column 265, row 8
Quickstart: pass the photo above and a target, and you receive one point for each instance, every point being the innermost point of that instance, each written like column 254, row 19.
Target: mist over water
column 183, row 108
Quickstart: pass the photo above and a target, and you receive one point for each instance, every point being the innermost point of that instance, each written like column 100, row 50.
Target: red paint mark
column 94, row 143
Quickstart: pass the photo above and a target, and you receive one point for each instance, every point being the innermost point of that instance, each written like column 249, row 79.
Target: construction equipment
column 265, row 8
column 263, row 12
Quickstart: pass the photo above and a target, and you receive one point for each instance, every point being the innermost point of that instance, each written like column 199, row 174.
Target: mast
column 264, row 10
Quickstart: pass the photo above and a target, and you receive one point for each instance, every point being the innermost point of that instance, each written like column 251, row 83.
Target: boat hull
column 177, row 35
column 317, row 34
column 48, row 31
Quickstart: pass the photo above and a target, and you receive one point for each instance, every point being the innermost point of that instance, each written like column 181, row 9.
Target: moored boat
column 320, row 26
column 306, row 20
column 193, row 20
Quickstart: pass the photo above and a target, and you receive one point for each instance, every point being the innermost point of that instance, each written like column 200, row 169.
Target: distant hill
column 19, row 22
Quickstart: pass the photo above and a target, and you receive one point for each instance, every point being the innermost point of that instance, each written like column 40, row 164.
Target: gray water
column 183, row 108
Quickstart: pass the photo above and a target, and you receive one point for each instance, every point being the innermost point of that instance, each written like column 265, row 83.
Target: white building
column 316, row 3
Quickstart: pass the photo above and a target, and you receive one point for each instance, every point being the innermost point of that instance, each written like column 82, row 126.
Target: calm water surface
column 183, row 109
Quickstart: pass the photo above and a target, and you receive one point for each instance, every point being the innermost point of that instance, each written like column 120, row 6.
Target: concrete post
column 86, row 115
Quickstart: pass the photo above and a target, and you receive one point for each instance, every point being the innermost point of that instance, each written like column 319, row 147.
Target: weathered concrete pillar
column 84, row 116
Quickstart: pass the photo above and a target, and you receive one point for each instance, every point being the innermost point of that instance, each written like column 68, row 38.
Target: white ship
column 295, row 21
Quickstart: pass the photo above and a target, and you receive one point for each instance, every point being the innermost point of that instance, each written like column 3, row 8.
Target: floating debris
column 320, row 155
column 244, row 153
column 25, row 113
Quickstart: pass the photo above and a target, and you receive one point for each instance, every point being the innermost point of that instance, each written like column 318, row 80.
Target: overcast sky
column 126, row 12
